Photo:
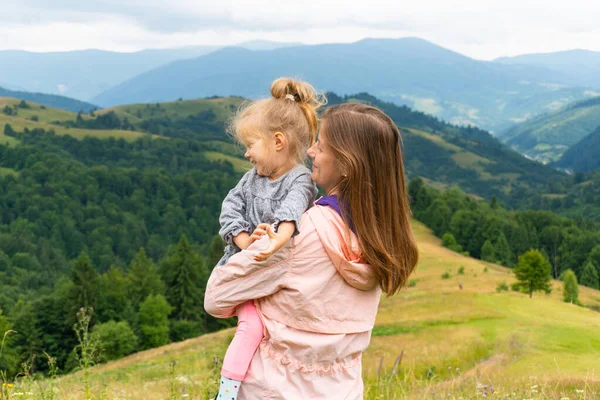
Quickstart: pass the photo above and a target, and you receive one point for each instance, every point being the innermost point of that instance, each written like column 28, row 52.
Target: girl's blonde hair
column 367, row 146
column 292, row 111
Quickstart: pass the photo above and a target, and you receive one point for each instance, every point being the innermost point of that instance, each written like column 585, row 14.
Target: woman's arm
column 243, row 279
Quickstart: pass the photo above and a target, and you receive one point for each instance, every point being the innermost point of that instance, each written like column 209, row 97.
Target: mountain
column 407, row 71
column 467, row 157
column 583, row 156
column 444, row 154
column 50, row 100
column 547, row 136
column 582, row 67
column 86, row 73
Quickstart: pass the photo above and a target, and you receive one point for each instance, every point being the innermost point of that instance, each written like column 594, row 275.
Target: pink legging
column 247, row 337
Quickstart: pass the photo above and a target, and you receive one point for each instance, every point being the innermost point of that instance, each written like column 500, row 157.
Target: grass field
column 45, row 116
column 455, row 344
column 222, row 107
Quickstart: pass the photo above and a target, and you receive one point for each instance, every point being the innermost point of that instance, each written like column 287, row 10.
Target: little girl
column 276, row 133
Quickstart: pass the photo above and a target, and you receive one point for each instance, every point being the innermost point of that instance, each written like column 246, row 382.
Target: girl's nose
column 246, row 154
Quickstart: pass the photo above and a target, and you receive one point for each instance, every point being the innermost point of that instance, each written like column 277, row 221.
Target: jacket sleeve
column 233, row 212
column 297, row 201
column 243, row 279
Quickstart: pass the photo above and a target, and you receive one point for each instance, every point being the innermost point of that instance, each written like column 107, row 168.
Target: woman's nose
column 246, row 154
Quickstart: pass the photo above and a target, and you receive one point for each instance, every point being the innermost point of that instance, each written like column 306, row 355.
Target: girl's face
column 259, row 154
column 325, row 171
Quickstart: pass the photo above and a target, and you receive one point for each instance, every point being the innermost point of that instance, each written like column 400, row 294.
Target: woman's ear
column 280, row 141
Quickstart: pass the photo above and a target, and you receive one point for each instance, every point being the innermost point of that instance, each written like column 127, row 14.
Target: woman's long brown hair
column 367, row 145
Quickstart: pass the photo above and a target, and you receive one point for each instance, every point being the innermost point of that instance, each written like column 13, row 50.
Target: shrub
column 570, row 288
column 116, row 339
column 446, row 275
column 502, row 287
column 461, row 270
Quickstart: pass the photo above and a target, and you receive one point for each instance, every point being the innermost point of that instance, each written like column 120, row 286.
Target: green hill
column 468, row 157
column 38, row 116
column 444, row 154
column 547, row 137
column 75, row 210
column 453, row 342
column 583, row 156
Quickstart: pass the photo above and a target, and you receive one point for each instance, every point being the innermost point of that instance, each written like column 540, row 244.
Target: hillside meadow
column 433, row 340
column 42, row 117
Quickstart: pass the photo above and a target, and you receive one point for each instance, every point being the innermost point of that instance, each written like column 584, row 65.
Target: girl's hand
column 259, row 232
column 277, row 240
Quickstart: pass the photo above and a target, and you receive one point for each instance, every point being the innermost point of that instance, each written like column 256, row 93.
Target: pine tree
column 185, row 274
column 215, row 251
column 503, row 251
column 8, row 130
column 114, row 296
column 533, row 272
column 494, row 202
column 570, row 287
column 143, row 278
column 589, row 276
column 85, row 279
column 595, row 258
column 488, row 253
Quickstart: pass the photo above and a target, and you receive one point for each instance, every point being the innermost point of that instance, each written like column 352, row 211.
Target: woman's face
column 325, row 170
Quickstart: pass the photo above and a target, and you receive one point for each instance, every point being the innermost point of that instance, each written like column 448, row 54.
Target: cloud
column 479, row 28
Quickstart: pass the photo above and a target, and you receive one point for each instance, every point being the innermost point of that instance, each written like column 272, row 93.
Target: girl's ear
column 280, row 141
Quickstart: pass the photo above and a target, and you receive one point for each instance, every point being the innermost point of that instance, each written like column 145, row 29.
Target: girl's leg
column 247, row 337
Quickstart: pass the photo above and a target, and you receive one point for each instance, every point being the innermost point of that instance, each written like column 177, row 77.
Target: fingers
column 258, row 232
column 257, row 235
column 263, row 255
column 270, row 232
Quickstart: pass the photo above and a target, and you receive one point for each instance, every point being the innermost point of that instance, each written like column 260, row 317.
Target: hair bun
column 300, row 92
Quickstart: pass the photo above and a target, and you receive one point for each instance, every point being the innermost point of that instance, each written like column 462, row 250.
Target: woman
column 318, row 295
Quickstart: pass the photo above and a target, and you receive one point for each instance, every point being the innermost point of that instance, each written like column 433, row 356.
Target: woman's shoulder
column 319, row 221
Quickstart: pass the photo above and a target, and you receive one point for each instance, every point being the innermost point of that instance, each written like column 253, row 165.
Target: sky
column 480, row 29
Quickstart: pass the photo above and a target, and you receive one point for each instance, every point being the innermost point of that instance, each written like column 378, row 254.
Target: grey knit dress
column 256, row 199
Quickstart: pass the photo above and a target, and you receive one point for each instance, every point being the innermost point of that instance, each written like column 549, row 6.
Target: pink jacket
column 318, row 303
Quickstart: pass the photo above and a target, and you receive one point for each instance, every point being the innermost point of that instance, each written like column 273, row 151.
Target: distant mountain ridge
column 84, row 74
column 407, row 71
column 581, row 67
column 49, row 100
